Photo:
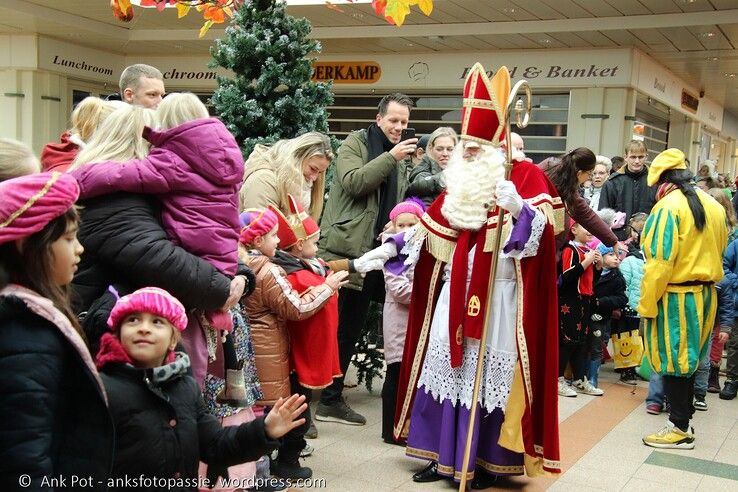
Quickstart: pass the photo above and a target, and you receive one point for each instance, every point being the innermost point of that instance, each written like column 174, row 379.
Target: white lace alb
column 444, row 382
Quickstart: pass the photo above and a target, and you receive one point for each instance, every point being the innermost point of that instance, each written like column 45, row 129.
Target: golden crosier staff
column 522, row 116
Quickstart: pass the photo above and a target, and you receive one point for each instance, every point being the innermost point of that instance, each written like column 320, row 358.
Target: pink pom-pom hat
column 255, row 223
column 149, row 300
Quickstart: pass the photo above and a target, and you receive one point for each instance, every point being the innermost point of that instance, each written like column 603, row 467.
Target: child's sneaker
column 700, row 403
column 670, row 437
column 654, row 408
column 628, row 376
column 565, row 389
column 307, row 451
column 585, row 387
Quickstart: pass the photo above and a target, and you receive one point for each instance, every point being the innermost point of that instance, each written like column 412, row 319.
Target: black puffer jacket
column 609, row 293
column 126, row 247
column 53, row 418
column 165, row 430
column 125, row 243
column 628, row 192
column 426, row 181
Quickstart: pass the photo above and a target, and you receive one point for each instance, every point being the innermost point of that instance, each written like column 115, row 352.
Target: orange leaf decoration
column 333, row 6
column 122, row 10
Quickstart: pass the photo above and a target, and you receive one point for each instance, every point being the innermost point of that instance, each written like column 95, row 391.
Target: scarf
column 112, row 351
column 664, row 190
column 378, row 144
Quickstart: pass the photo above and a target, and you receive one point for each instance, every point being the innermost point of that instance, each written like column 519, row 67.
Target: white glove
column 508, row 197
column 367, row 261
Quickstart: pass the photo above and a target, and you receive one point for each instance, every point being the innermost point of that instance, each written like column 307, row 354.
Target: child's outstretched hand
column 281, row 418
column 336, row 280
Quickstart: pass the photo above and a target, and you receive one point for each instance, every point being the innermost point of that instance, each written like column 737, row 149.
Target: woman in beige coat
column 294, row 166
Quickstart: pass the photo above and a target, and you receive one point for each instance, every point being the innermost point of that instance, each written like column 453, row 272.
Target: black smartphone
column 407, row 133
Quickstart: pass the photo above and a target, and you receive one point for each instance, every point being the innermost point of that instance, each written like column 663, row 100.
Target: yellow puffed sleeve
column 660, row 245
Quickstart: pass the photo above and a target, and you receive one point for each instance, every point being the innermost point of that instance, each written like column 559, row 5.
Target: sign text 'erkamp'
column 346, row 72
column 556, row 72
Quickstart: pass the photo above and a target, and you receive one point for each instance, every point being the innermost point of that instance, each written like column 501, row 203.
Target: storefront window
column 651, row 125
column 545, row 135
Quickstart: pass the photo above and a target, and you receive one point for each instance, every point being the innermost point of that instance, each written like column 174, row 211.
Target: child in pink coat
column 398, row 287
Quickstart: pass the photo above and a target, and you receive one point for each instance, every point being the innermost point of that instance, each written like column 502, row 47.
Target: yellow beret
column 668, row 159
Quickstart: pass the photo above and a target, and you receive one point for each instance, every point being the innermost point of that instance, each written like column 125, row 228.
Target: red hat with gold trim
column 485, row 102
column 298, row 225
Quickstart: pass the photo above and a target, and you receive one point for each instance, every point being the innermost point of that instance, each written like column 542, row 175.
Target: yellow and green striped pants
column 676, row 339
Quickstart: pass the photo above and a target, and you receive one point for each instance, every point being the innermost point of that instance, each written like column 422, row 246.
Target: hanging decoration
column 213, row 11
column 395, row 11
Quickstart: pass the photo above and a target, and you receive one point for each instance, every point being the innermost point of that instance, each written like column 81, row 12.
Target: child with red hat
column 163, row 427
column 281, row 305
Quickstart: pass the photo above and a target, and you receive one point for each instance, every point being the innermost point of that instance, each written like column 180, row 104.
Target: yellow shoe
column 670, row 437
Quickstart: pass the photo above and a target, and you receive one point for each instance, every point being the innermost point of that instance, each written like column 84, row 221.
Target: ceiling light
column 712, row 58
column 544, row 41
column 509, row 10
column 708, row 34
column 410, row 44
column 729, row 74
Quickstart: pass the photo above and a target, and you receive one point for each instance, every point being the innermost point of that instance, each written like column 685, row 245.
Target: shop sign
column 591, row 72
column 347, row 72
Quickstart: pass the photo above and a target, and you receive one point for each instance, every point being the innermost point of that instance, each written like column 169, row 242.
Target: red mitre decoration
column 298, row 225
column 485, row 102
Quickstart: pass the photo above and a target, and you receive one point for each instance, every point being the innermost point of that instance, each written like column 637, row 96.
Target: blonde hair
column 719, row 195
column 16, row 159
column 601, row 160
column 119, row 137
column 89, row 114
column 443, row 131
column 180, row 107
column 287, row 157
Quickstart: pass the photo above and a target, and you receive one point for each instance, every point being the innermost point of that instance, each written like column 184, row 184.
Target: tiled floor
column 601, row 448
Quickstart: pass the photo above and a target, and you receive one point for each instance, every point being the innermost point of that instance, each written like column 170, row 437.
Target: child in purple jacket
column 195, row 167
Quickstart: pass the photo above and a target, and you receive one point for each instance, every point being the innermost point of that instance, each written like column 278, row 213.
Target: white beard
column 470, row 187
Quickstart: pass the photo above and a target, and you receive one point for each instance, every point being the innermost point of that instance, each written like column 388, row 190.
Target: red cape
column 59, row 156
column 538, row 352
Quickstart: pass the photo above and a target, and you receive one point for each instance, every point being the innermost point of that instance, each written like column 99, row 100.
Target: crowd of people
column 169, row 308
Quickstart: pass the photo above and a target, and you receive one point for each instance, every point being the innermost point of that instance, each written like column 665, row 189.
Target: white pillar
column 598, row 119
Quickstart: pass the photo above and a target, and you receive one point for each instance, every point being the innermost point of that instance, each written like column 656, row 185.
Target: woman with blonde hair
column 294, row 167
column 426, row 179
column 16, row 159
column 86, row 118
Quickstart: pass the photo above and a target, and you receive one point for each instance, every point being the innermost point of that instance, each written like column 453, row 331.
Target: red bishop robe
column 537, row 328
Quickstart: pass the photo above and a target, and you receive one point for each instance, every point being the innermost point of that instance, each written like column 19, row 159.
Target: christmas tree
column 271, row 95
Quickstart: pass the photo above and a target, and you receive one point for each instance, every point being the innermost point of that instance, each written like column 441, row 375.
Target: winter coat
column 314, row 340
column 632, row 271
column 609, row 293
column 196, row 170
column 628, row 192
column 726, row 305
column 260, row 188
column 163, row 429
column 398, row 291
column 579, row 210
column 54, row 418
column 59, row 156
column 125, row 246
column 730, row 267
column 351, row 211
column 272, row 303
column 426, row 180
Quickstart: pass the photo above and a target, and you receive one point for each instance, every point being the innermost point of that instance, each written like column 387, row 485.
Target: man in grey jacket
column 370, row 178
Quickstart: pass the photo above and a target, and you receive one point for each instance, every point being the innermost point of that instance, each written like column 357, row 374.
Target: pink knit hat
column 255, row 223
column 411, row 205
column 30, row 202
column 149, row 300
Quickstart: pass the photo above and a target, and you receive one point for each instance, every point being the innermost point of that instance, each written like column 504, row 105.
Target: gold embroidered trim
column 31, row 201
column 434, row 226
column 401, row 429
column 523, row 356
column 450, row 470
column 441, row 249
